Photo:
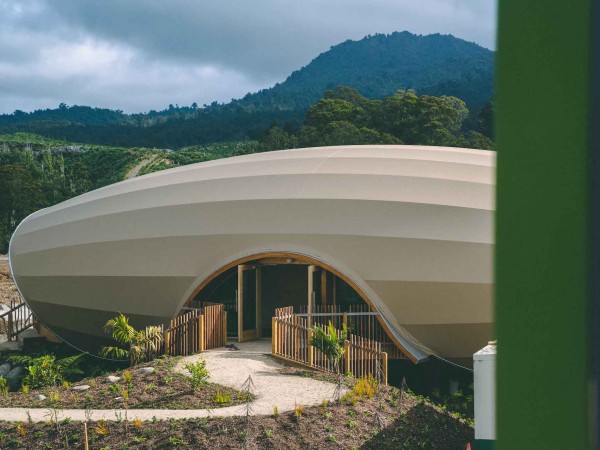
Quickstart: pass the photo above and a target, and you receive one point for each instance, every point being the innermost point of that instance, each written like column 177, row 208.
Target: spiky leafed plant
column 134, row 345
column 332, row 346
column 329, row 343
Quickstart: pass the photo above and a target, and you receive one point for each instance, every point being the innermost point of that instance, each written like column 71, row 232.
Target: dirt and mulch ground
column 8, row 291
column 388, row 420
column 162, row 389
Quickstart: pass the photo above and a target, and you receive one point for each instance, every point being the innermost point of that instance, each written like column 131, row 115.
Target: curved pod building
column 409, row 229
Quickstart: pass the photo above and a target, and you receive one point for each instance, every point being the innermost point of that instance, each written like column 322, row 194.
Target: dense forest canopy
column 377, row 66
column 345, row 117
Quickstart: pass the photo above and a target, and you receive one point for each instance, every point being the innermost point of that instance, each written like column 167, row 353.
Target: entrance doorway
column 252, row 290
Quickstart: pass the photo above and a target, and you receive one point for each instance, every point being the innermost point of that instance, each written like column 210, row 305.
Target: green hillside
column 36, row 172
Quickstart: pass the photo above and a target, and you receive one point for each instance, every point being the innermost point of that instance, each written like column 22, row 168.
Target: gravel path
column 229, row 368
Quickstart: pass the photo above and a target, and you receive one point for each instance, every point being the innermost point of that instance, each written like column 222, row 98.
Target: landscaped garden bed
column 383, row 418
column 148, row 385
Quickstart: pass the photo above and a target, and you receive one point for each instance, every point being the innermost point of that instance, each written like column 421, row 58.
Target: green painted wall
column 541, row 248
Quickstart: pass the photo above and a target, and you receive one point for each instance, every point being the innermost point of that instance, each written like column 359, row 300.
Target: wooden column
column 347, row 356
column 167, row 342
column 311, row 288
column 311, row 359
column 384, row 368
column 201, row 342
column 274, row 335
column 240, row 302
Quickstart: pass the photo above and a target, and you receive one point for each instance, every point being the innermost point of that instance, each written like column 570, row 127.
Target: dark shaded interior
column 279, row 285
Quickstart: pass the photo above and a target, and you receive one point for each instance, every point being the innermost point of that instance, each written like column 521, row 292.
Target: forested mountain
column 376, row 66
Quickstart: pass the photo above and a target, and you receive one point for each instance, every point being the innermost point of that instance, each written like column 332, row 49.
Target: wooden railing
column 360, row 321
column 192, row 332
column 292, row 341
column 17, row 319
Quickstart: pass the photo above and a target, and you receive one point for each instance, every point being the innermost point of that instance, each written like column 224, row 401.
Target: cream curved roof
column 411, row 226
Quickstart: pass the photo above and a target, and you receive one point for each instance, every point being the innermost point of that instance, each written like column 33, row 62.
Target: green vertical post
column 542, row 105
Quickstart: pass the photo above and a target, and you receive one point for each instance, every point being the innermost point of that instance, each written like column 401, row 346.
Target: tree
column 278, row 139
column 20, row 195
column 134, row 345
column 424, row 120
column 330, row 110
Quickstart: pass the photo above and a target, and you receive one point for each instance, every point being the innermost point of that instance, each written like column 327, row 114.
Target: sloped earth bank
column 386, row 421
column 8, row 291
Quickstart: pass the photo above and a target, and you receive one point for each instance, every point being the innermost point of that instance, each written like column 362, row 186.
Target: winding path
column 229, row 368
column 136, row 169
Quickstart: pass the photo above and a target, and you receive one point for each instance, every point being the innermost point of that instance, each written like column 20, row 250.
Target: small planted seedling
column 298, row 411
column 221, row 397
column 176, row 442
column 21, row 429
column 102, row 428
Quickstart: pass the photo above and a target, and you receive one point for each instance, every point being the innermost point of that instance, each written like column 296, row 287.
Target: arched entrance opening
column 252, row 288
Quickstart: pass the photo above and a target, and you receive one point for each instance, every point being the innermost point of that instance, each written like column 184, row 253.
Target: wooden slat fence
column 285, row 311
column 290, row 338
column 192, row 332
column 215, row 326
column 365, row 357
column 362, row 357
column 185, row 334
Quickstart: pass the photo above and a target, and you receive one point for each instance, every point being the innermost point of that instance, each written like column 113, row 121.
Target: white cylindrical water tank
column 484, row 366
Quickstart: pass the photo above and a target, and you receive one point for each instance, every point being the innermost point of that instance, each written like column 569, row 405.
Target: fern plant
column 133, row 345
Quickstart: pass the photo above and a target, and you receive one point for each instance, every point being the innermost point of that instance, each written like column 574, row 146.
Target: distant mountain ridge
column 379, row 65
column 376, row 66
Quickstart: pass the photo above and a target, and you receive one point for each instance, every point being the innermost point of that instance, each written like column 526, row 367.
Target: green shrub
column 199, row 374
column 46, row 370
column 43, row 372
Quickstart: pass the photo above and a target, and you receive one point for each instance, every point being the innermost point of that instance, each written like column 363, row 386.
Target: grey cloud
column 191, row 50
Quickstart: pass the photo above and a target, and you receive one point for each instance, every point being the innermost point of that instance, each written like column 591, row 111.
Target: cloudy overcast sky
column 138, row 55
